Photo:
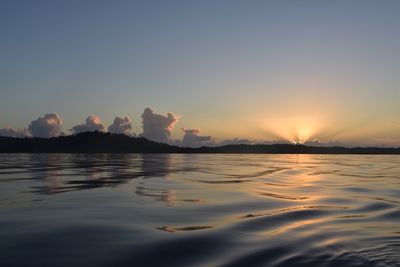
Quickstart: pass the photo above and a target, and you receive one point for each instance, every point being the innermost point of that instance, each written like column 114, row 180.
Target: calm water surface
column 199, row 210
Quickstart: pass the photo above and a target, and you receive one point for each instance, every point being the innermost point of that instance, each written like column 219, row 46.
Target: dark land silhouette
column 96, row 142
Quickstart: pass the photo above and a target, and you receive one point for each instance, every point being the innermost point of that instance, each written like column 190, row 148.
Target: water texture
column 199, row 210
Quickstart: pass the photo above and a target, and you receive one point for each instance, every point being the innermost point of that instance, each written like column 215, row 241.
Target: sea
column 199, row 210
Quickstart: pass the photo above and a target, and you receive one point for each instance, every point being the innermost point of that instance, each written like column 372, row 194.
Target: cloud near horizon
column 192, row 138
column 158, row 127
column 92, row 123
column 47, row 126
column 121, row 126
column 14, row 132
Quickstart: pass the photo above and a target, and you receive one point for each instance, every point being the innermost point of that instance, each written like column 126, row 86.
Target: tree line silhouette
column 98, row 142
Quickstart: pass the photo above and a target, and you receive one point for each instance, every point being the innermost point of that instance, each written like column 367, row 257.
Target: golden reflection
column 292, row 226
column 286, row 183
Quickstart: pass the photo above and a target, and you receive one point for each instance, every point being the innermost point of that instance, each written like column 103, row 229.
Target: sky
column 254, row 70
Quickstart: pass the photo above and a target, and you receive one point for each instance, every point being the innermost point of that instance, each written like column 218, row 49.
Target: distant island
column 97, row 142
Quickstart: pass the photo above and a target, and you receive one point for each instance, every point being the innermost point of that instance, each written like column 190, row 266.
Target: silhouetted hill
column 95, row 142
column 296, row 149
column 88, row 142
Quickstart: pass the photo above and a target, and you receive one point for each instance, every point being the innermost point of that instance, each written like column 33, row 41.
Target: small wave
column 281, row 196
column 280, row 211
column 392, row 215
column 379, row 206
column 171, row 229
column 223, row 182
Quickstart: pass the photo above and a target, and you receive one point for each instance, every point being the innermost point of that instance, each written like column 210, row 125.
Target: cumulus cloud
column 121, row 126
column 47, row 126
column 92, row 123
column 193, row 139
column 158, row 127
column 14, row 132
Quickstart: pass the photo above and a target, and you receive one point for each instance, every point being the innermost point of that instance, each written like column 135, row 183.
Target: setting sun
column 293, row 129
column 303, row 134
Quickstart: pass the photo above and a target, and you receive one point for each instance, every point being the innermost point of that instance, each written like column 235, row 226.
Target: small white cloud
column 193, row 139
column 92, row 123
column 121, row 126
column 14, row 132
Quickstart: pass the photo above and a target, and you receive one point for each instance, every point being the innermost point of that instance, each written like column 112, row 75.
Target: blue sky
column 250, row 69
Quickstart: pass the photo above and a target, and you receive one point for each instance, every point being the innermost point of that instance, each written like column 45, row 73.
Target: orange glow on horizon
column 296, row 130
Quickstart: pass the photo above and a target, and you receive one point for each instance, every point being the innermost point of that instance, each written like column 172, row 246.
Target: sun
column 297, row 130
column 302, row 134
